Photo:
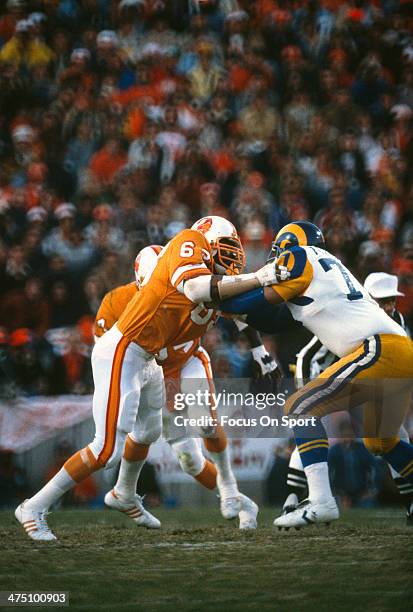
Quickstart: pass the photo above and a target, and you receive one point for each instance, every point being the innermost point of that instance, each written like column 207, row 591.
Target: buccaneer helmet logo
column 204, row 225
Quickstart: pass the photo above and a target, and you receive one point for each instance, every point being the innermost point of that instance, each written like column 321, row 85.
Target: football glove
column 272, row 274
column 267, row 374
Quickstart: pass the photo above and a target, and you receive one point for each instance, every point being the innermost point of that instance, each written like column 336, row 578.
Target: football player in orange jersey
column 197, row 267
column 183, row 364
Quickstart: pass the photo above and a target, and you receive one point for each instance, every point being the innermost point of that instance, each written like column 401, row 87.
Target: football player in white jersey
column 374, row 370
column 313, row 359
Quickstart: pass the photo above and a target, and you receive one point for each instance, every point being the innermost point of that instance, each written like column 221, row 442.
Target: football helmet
column 301, row 233
column 145, row 262
column 227, row 252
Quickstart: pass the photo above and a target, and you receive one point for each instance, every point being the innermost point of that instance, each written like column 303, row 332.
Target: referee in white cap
column 384, row 289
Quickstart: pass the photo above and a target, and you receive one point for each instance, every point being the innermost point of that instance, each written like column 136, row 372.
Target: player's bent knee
column 149, row 431
column 380, row 446
column 189, row 456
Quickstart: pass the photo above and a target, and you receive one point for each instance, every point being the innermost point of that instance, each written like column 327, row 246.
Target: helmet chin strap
column 220, row 269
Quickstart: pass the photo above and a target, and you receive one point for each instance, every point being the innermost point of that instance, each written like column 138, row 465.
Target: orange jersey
column 159, row 316
column 186, row 256
column 171, row 358
column 112, row 306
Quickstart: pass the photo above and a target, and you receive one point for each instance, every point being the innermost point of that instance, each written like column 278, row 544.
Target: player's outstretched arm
column 215, row 288
column 259, row 313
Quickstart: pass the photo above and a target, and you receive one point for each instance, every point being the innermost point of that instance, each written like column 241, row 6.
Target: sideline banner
column 26, row 422
column 251, row 459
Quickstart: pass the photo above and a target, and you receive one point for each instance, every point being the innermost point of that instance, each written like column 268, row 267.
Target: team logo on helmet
column 203, row 225
column 300, row 233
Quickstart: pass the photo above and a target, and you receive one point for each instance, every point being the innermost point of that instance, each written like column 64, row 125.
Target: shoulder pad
column 294, row 259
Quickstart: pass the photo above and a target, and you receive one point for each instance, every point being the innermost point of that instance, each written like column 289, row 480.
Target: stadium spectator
column 119, row 122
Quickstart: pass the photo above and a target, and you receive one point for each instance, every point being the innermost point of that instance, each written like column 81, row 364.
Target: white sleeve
column 197, row 289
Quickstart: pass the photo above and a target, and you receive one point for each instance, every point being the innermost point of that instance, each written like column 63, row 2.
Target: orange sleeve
column 112, row 306
column 190, row 256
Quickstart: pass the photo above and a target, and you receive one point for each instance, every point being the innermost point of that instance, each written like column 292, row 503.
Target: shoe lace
column 303, row 504
column 42, row 521
column 139, row 501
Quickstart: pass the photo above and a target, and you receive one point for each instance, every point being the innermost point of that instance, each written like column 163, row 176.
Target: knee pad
column 380, row 446
column 189, row 456
column 148, row 431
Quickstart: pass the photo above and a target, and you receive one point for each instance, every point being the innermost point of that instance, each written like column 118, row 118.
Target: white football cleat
column 290, row 503
column 308, row 513
column 34, row 523
column 134, row 509
column 248, row 514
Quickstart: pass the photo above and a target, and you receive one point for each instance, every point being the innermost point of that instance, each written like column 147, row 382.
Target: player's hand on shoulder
column 272, row 273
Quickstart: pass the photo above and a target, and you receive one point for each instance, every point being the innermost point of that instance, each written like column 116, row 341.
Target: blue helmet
column 299, row 233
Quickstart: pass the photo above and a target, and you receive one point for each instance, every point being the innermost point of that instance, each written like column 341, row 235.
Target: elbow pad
column 197, row 289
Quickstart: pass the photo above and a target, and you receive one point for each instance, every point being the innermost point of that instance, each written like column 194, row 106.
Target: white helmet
column 146, row 261
column 227, row 251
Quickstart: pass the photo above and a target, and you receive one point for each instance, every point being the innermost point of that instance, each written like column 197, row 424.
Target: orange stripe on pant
column 112, row 407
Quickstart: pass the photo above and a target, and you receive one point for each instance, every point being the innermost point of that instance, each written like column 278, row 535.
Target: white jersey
column 330, row 302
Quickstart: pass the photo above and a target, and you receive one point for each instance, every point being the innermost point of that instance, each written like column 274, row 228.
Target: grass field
column 197, row 561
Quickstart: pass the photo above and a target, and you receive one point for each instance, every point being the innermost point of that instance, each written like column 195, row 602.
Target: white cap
column 80, row 54
column 237, row 16
column 23, row 25
column 23, row 133
column 107, row 37
column 401, row 111
column 151, row 48
column 382, row 285
column 65, row 211
column 37, row 213
column 128, row 3
column 36, row 18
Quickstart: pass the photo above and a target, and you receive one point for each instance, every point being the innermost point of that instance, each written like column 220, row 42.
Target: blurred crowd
column 123, row 121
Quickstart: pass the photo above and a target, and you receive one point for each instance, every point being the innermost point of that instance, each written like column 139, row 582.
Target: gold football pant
column 378, row 376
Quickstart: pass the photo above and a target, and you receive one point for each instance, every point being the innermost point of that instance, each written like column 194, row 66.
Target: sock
column 296, row 479
column 218, row 449
column 319, row 489
column 133, row 460
column 312, row 444
column 77, row 468
column 52, row 491
column 223, row 464
column 400, row 457
column 208, row 475
column 405, row 489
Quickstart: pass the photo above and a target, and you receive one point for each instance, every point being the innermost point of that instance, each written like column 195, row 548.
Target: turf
column 198, row 561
